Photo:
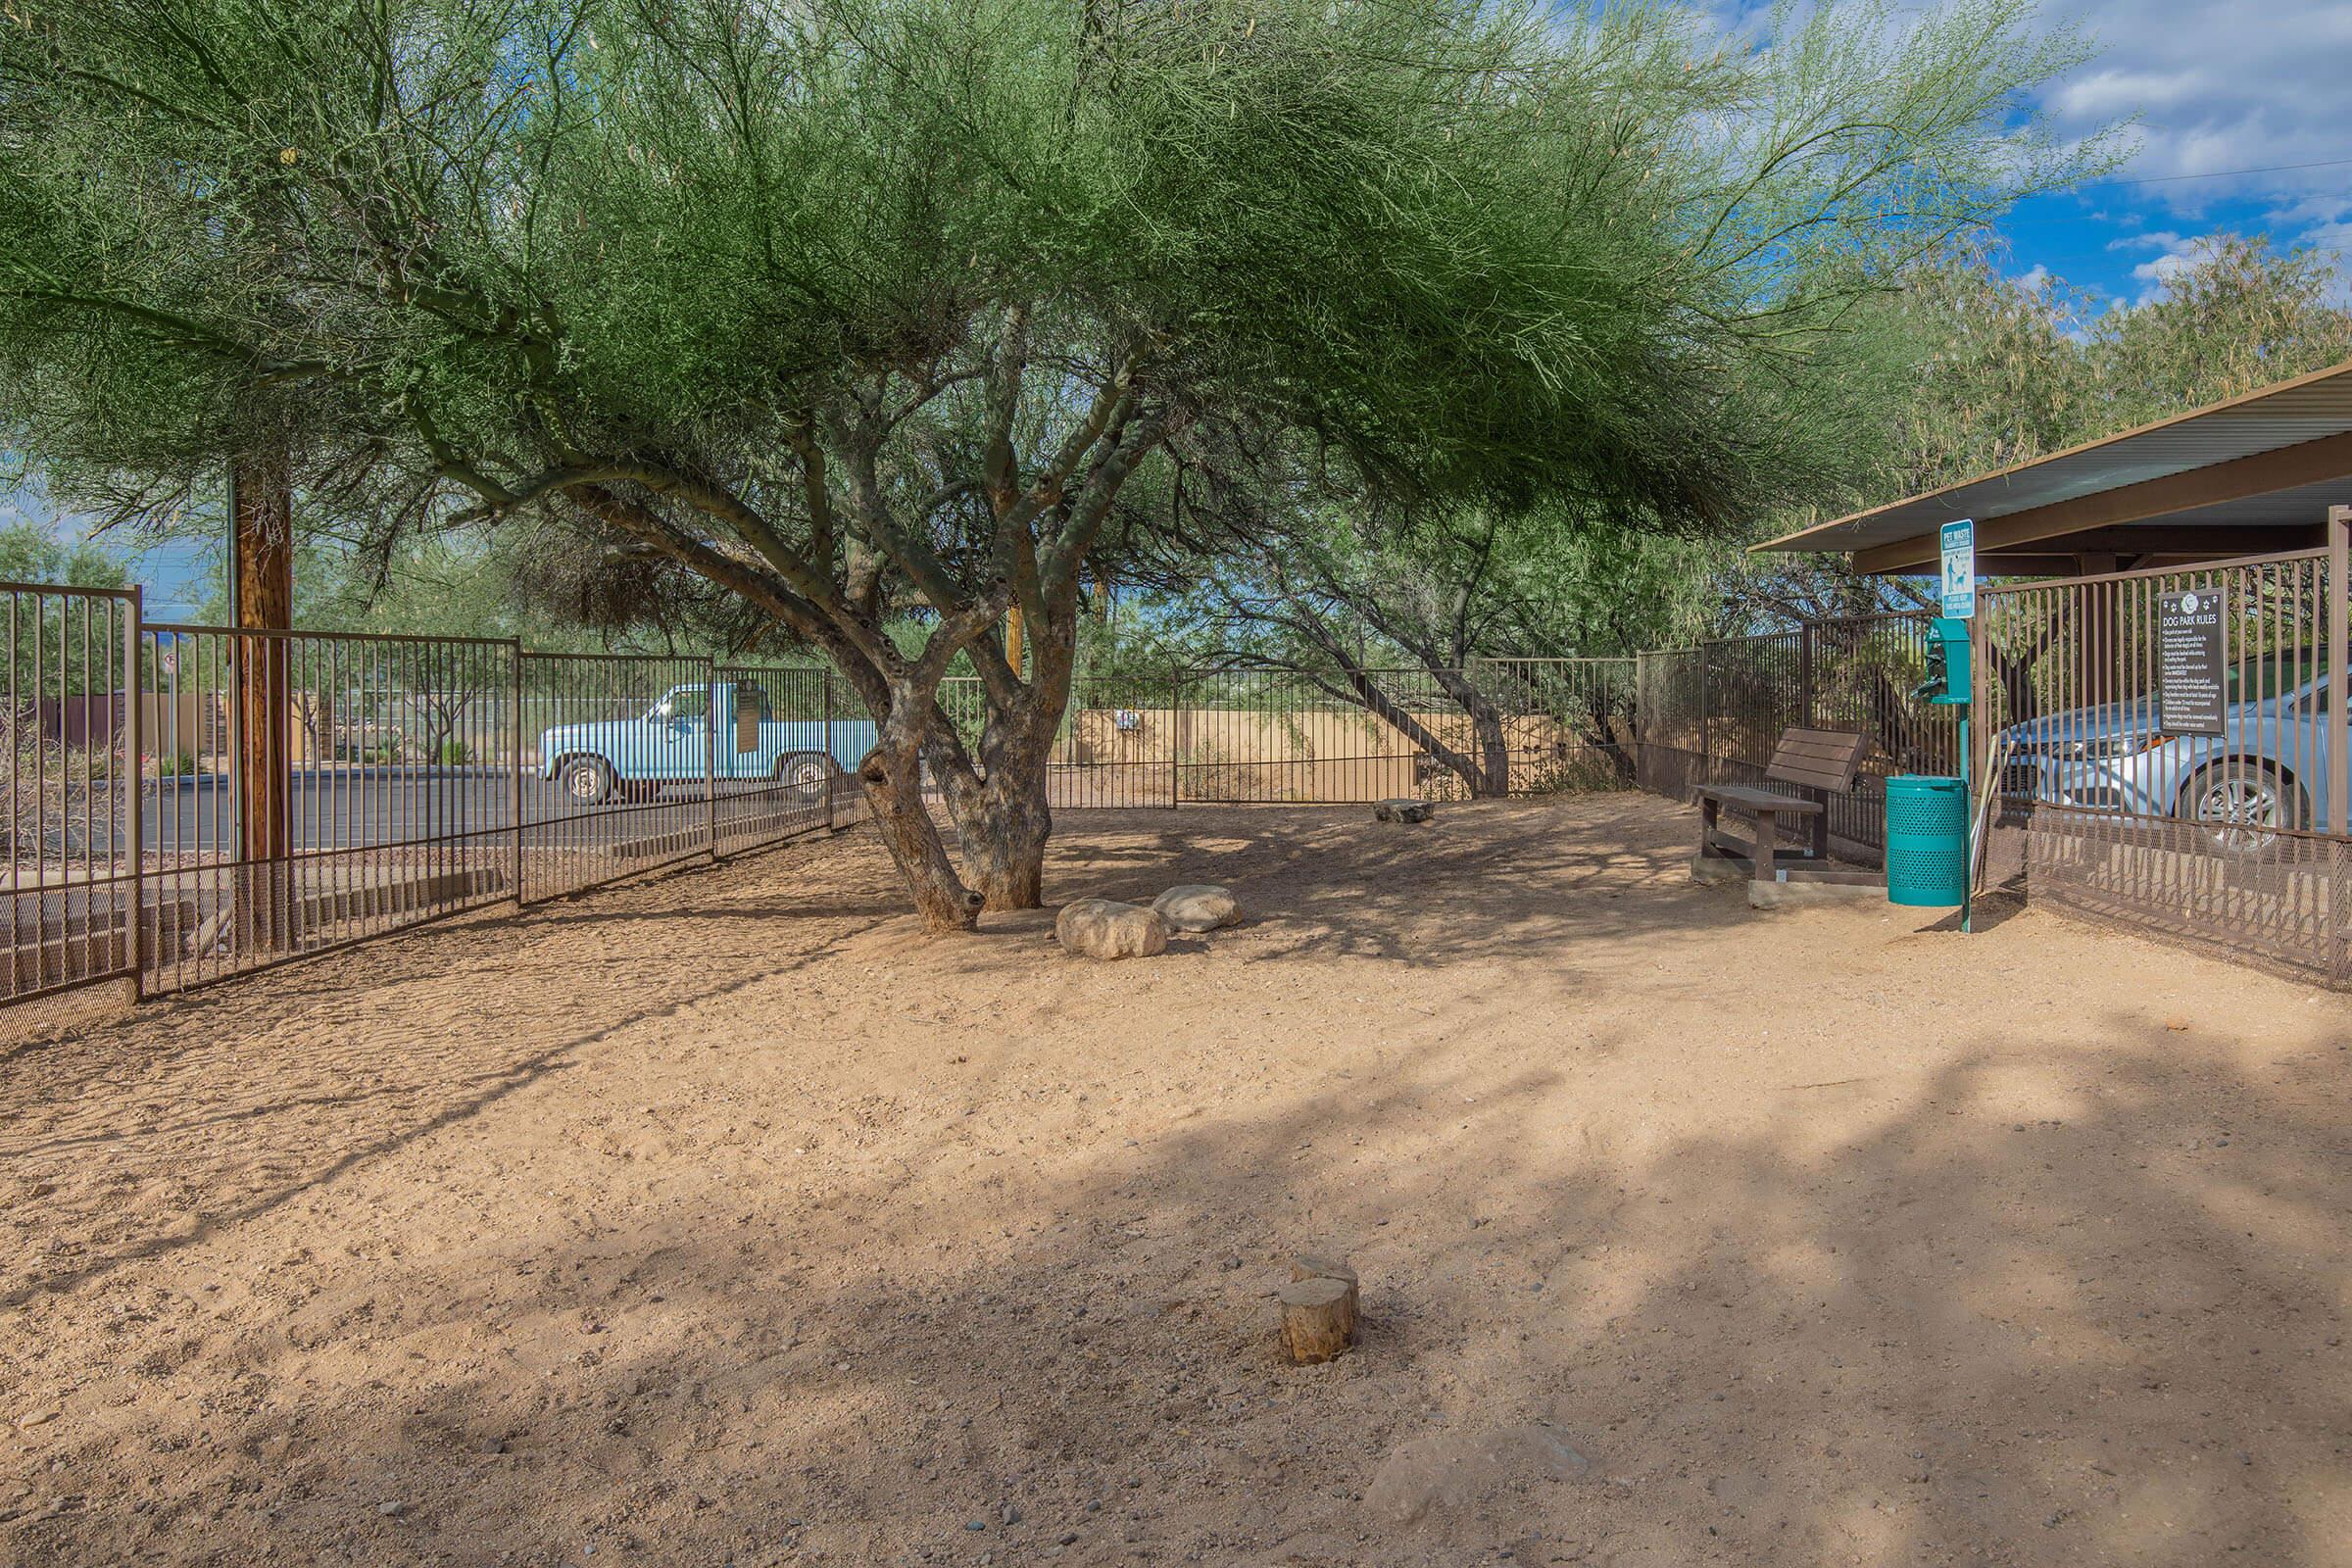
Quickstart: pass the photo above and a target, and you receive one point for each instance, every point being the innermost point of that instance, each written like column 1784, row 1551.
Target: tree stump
column 1318, row 1309
column 1315, row 1267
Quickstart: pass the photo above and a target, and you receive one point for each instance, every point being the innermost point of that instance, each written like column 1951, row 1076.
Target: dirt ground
column 724, row 1220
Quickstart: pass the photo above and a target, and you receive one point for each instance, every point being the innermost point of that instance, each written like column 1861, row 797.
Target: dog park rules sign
column 2188, row 662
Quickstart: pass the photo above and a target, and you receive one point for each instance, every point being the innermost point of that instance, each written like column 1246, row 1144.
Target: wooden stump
column 1318, row 1309
column 1314, row 1266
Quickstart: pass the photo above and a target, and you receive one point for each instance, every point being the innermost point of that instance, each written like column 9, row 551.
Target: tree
column 868, row 311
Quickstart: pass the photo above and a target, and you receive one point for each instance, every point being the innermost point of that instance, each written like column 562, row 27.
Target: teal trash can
column 1927, row 841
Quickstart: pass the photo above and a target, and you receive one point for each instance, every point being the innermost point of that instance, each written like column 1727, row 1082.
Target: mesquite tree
column 863, row 308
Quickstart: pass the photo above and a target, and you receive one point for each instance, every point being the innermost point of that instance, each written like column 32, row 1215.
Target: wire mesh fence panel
column 619, row 753
column 1117, row 744
column 1567, row 723
column 1863, row 674
column 778, row 755
column 1671, row 749
column 68, row 777
column 1278, row 736
column 309, row 790
column 853, row 732
column 2163, row 740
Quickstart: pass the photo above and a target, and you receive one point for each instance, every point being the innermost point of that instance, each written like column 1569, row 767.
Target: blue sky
column 2216, row 90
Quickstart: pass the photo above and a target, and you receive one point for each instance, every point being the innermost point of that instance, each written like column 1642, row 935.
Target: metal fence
column 189, row 802
column 2118, row 794
column 1518, row 726
column 1714, row 714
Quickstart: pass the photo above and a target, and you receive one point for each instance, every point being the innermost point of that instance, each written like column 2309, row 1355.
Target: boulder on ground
column 1197, row 907
column 1402, row 810
column 1106, row 928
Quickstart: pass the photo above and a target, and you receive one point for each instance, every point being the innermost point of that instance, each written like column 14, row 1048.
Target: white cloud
column 2176, row 256
column 2215, row 87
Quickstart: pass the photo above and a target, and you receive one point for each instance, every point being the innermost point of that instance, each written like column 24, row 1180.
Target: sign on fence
column 2188, row 662
column 1960, row 569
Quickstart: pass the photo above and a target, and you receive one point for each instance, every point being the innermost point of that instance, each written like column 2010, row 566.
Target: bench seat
column 1819, row 761
column 1753, row 800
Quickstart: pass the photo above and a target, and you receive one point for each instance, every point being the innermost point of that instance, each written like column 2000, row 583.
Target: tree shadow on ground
column 1917, row 1329
column 2057, row 1289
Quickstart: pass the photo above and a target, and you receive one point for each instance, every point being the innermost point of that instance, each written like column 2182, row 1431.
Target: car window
column 2258, row 680
column 689, row 702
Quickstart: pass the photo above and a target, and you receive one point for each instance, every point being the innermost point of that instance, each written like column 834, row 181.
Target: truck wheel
column 586, row 780
column 2241, row 804
column 807, row 773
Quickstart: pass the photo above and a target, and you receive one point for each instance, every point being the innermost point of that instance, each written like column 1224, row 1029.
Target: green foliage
column 32, row 553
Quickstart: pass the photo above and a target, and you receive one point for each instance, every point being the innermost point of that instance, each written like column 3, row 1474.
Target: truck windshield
column 687, row 701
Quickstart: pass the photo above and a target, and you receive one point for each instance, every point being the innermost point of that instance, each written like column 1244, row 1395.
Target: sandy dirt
column 722, row 1219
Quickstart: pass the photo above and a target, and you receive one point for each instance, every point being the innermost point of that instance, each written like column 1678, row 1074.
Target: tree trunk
column 1005, row 833
column 1493, row 751
column 1006, row 820
column 892, row 776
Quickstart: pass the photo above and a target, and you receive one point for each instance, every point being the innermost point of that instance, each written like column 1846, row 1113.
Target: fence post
column 134, row 747
column 1804, row 676
column 1175, row 734
column 710, row 759
column 1706, row 752
column 2339, row 677
column 514, row 649
column 825, row 699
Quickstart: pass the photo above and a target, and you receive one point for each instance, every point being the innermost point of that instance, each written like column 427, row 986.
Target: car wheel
column 586, row 780
column 2242, row 806
column 807, row 773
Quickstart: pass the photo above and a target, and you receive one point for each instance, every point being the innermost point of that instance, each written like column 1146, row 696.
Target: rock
column 1012, row 1514
column 1197, row 907
column 1457, row 1472
column 1402, row 810
column 1104, row 928
column 390, row 1511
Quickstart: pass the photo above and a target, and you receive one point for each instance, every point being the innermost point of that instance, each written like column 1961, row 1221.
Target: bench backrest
column 1817, row 758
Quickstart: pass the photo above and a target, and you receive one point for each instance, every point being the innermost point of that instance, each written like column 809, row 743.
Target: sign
column 1960, row 569
column 747, row 717
column 2190, row 699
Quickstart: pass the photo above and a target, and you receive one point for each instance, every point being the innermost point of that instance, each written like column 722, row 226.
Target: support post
column 514, row 649
column 710, row 761
column 2340, row 677
column 134, row 806
column 1175, row 735
column 830, row 792
column 1804, row 673
column 1706, row 754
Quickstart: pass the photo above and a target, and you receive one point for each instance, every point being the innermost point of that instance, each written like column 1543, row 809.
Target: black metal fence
column 1511, row 726
column 1713, row 714
column 190, row 802
column 2124, row 791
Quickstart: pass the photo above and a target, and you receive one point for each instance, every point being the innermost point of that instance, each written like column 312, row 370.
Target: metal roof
column 2272, row 419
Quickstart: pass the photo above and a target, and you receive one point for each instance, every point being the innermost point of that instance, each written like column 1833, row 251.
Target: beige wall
column 1249, row 755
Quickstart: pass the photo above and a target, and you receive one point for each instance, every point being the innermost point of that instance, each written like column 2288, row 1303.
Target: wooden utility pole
column 261, row 584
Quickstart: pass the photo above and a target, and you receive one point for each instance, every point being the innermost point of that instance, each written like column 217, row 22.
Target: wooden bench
column 1819, row 761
